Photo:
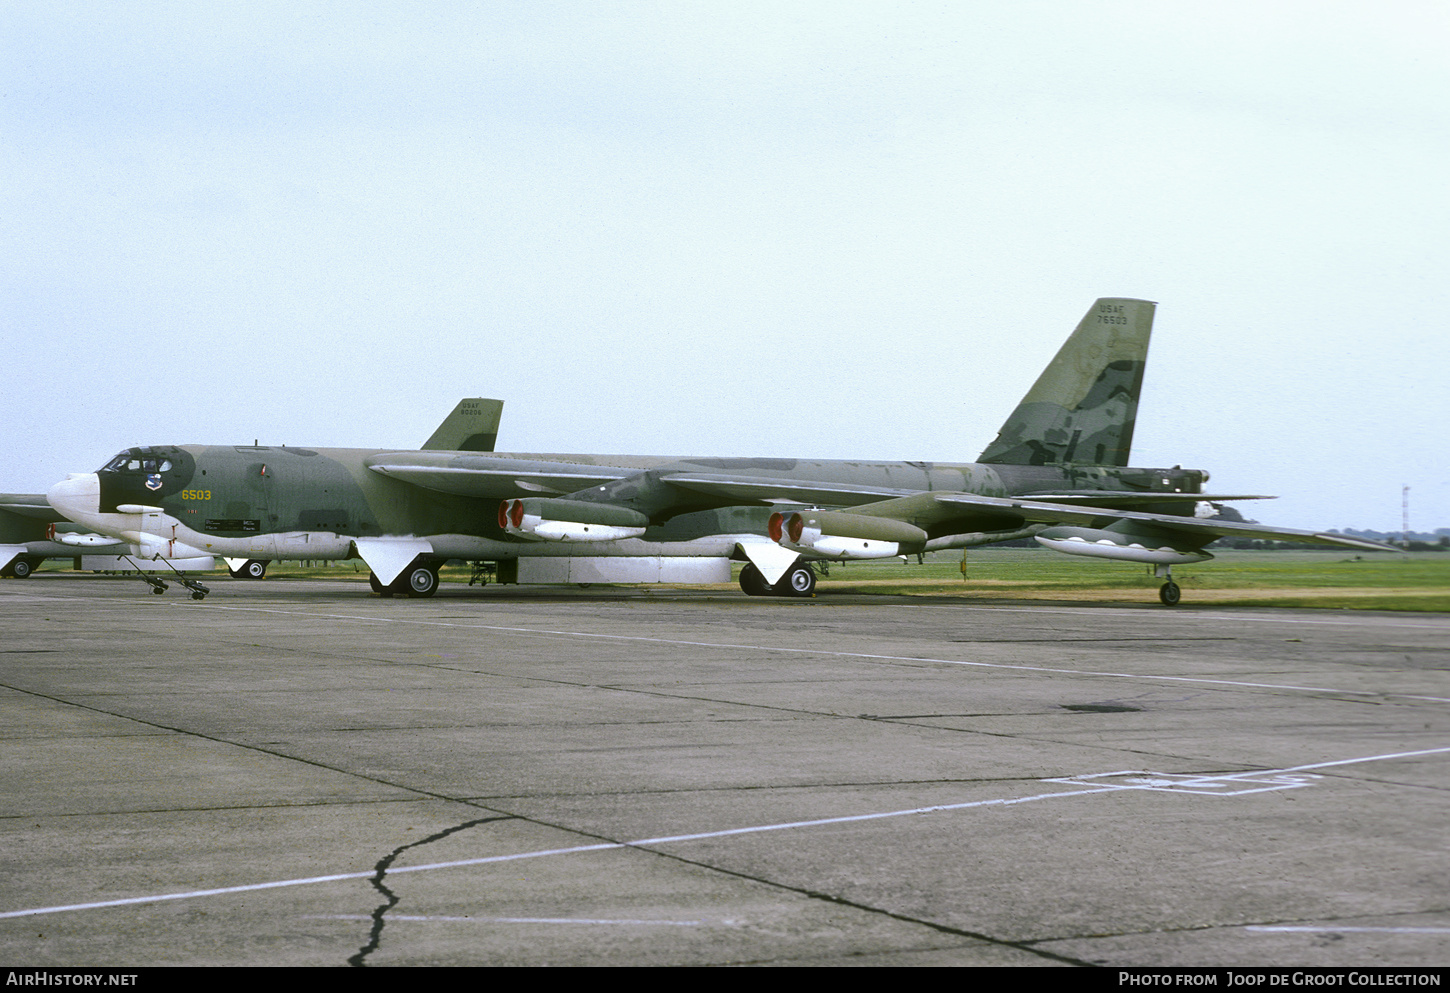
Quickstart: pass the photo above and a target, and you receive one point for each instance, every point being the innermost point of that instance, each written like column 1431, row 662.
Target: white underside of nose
column 78, row 497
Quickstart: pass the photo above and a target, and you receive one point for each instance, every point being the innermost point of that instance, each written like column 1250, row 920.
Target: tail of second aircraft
column 472, row 427
column 1083, row 407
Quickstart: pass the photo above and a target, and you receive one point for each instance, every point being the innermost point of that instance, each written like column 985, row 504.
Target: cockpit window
column 129, row 463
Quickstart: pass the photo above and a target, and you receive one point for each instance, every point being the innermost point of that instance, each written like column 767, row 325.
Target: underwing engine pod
column 836, row 535
column 545, row 519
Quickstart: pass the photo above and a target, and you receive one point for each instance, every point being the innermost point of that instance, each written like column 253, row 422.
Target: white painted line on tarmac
column 549, row 632
column 508, row 920
column 1328, row 929
column 1375, row 620
column 681, row 838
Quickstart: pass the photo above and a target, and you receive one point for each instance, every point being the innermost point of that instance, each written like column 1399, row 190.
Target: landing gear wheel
column 1169, row 593
column 21, row 568
column 752, row 582
column 418, row 581
column 383, row 591
column 798, row 580
column 252, row 569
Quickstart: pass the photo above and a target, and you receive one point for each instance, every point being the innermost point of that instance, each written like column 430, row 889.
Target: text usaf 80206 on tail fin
column 1058, row 470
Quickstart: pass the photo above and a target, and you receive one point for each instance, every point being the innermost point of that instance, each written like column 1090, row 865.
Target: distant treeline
column 1419, row 541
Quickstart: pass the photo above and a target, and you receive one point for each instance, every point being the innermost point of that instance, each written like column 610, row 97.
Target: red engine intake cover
column 776, row 529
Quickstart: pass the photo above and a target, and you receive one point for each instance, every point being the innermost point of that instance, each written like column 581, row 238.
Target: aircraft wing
column 926, row 509
column 766, row 490
column 490, row 478
column 30, row 505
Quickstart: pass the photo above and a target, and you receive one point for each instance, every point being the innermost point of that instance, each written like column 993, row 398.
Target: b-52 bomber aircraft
column 1058, row 471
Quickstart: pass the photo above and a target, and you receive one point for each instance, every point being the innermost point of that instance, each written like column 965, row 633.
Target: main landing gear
column 798, row 581
column 250, row 569
column 418, row 580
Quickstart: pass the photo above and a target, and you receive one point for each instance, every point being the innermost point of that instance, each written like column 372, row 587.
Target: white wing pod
column 852, row 548
column 576, row 531
column 84, row 540
column 1122, row 545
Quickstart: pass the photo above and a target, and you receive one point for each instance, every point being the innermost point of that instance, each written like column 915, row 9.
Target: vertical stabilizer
column 472, row 427
column 1083, row 406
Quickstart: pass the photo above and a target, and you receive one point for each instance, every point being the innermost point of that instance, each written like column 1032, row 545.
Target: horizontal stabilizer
column 1133, row 498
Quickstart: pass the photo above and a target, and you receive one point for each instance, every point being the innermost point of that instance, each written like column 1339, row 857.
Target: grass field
column 1417, row 581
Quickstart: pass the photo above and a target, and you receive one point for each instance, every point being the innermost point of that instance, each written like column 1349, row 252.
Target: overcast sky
column 836, row 230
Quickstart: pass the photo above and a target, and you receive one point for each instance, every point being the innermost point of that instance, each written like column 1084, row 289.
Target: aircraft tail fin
column 1083, row 407
column 472, row 427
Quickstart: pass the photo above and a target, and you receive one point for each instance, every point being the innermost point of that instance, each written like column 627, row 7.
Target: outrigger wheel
column 1169, row 592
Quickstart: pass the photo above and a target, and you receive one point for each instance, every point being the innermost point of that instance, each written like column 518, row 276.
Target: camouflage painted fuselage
column 271, row 502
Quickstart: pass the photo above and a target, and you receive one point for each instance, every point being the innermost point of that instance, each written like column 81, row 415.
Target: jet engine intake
column 837, row 535
column 545, row 519
column 1121, row 542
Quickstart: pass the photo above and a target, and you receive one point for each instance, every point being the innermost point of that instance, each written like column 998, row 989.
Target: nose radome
column 77, row 493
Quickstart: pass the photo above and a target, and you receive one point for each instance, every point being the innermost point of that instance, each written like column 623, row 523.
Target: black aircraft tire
column 419, row 581
column 799, row 580
column 1170, row 594
column 253, row 569
column 752, row 582
column 378, row 587
column 21, row 568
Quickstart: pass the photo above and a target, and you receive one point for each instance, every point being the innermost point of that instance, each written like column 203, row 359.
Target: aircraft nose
column 77, row 496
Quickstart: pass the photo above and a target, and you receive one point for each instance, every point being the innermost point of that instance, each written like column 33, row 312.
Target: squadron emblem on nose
column 153, row 481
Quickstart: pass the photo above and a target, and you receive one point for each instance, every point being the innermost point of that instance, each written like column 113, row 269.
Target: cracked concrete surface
column 619, row 776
